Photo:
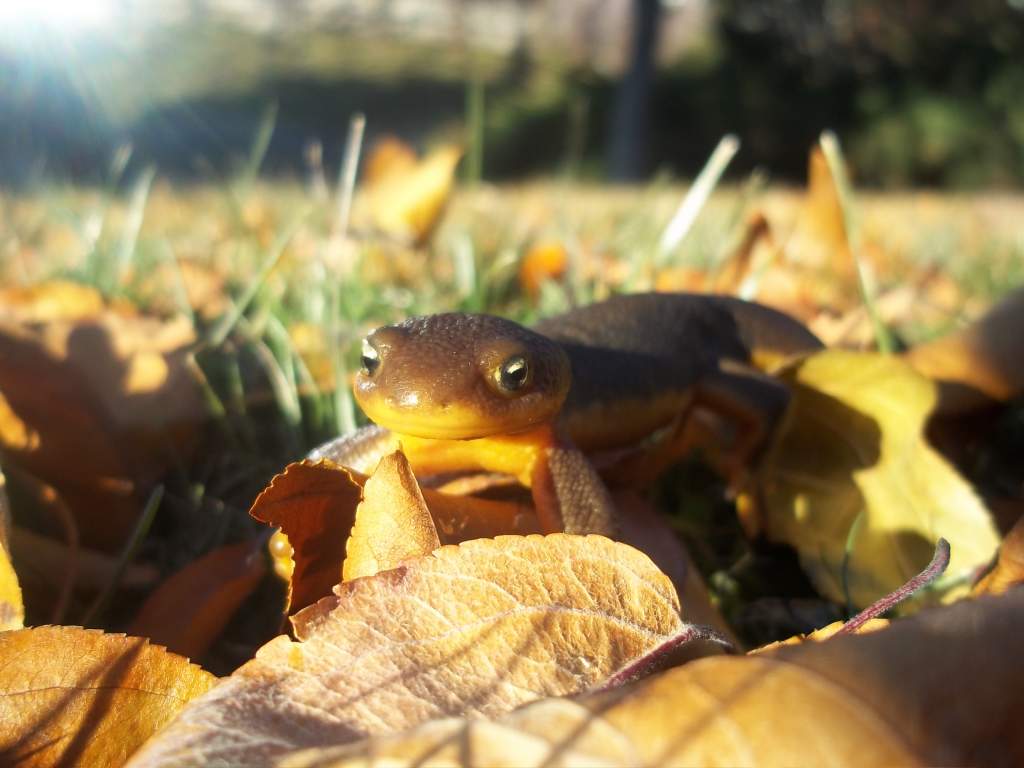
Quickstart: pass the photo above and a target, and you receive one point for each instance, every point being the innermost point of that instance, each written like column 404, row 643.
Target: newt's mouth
column 417, row 415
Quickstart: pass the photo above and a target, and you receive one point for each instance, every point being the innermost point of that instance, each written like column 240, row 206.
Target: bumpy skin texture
column 639, row 346
column 437, row 377
column 605, row 375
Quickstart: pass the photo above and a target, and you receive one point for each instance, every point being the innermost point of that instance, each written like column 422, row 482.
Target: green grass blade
column 837, row 167
column 696, row 197
column 131, row 548
column 227, row 324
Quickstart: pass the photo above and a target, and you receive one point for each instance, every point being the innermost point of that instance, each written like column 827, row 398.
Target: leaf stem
column 932, row 571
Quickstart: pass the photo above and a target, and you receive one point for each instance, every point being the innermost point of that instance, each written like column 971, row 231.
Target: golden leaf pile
column 426, row 621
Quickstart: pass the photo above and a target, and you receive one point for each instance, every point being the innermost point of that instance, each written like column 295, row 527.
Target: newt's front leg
column 567, row 492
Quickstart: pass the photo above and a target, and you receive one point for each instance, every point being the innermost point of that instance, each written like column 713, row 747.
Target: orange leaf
column 315, row 506
column 190, row 610
column 73, row 696
column 477, row 630
column 388, row 155
column 1009, row 568
column 92, row 408
column 544, row 261
column 392, row 522
column 12, row 610
column 52, row 300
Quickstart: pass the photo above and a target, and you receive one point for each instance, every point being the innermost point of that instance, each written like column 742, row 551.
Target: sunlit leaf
column 1009, row 568
column 392, row 522
column 71, row 696
column 853, row 485
column 12, row 610
column 943, row 688
column 315, row 506
column 407, row 202
column 475, row 630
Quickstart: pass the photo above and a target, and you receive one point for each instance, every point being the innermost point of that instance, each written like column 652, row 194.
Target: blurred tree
column 631, row 115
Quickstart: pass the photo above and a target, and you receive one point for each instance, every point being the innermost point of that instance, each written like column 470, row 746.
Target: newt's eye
column 370, row 358
column 513, row 374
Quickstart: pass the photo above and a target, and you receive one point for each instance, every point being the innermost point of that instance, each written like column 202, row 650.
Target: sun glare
column 66, row 15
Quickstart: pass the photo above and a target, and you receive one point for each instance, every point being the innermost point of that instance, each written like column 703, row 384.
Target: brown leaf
column 73, row 696
column 392, row 522
column 98, row 409
column 980, row 363
column 1009, row 568
column 644, row 528
column 190, row 610
column 941, row 688
column 476, row 630
column 314, row 504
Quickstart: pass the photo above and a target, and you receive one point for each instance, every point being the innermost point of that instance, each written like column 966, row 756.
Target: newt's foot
column 570, row 496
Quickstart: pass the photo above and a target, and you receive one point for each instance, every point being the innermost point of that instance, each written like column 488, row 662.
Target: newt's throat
column 515, row 455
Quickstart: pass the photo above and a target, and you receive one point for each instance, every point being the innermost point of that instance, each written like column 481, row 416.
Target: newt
column 618, row 379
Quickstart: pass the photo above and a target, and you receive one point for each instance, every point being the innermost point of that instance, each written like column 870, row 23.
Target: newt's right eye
column 370, row 359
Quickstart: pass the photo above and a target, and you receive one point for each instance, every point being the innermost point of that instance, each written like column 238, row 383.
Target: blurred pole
column 627, row 159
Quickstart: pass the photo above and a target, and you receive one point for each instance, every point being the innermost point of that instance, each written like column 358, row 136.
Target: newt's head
column 457, row 377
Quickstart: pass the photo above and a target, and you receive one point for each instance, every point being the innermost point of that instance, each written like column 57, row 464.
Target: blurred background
column 920, row 92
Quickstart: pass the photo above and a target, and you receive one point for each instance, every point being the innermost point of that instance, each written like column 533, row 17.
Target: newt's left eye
column 370, row 358
column 513, row 374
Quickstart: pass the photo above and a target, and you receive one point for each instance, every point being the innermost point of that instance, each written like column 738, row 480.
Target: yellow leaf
column 819, row 635
column 476, row 629
column 854, row 486
column 942, row 688
column 72, row 696
column 49, row 301
column 392, row 524
column 12, row 609
column 407, row 202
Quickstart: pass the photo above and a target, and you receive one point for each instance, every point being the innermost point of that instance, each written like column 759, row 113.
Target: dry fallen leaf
column 392, row 523
column 916, row 693
column 405, row 201
column 50, row 301
column 388, row 155
column 476, row 629
column 546, row 260
column 98, row 409
column 190, row 609
column 853, row 485
column 820, row 635
column 1009, row 568
column 72, row 696
column 314, row 504
column 12, row 610
column 980, row 363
